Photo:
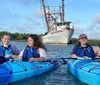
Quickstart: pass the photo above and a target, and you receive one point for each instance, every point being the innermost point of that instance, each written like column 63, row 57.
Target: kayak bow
column 11, row 71
column 88, row 71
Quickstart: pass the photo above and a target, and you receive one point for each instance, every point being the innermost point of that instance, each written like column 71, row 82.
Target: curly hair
column 37, row 41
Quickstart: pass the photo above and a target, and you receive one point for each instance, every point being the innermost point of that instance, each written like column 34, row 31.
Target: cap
column 82, row 36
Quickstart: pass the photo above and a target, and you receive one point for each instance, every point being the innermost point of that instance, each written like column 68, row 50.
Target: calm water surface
column 59, row 76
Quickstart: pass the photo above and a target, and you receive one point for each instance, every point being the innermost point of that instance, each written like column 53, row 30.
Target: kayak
column 88, row 71
column 11, row 71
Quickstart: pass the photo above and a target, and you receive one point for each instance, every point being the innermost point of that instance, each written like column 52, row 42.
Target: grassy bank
column 17, row 36
column 19, row 40
column 90, row 41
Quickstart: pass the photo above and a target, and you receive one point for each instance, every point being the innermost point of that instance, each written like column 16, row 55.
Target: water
column 59, row 76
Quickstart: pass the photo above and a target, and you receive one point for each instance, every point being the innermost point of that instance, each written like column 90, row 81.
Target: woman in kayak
column 34, row 51
column 97, row 51
column 83, row 49
column 7, row 49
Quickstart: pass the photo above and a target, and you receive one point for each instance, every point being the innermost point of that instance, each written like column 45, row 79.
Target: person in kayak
column 83, row 49
column 7, row 49
column 34, row 51
column 97, row 51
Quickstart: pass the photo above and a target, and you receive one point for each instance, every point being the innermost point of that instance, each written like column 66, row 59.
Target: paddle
column 96, row 58
column 3, row 59
column 59, row 59
column 63, row 60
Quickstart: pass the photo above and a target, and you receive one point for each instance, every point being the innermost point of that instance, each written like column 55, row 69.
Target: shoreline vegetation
column 92, row 42
column 17, row 36
column 22, row 37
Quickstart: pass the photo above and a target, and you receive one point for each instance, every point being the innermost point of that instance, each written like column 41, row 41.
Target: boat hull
column 17, row 70
column 59, row 37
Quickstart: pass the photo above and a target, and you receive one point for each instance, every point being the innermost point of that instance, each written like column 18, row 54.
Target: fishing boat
column 58, row 30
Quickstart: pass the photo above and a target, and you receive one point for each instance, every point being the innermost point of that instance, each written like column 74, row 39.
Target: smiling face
column 6, row 39
column 83, row 41
column 30, row 42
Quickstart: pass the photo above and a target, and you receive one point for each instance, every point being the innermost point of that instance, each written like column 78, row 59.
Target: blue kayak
column 11, row 71
column 88, row 71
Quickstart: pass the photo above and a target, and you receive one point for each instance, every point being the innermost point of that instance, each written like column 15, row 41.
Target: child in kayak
column 34, row 51
column 83, row 49
column 7, row 49
column 97, row 51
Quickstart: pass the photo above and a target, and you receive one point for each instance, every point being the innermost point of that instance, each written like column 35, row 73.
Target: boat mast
column 53, row 16
column 44, row 9
column 62, row 10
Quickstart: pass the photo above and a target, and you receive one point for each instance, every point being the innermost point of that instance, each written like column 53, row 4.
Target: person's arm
column 74, row 52
column 36, row 59
column 98, row 55
column 15, row 50
column 16, row 57
column 42, row 52
column 93, row 53
column 96, row 52
column 19, row 57
column 75, row 56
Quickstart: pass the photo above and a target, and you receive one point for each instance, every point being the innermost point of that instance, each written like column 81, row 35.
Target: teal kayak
column 88, row 71
column 11, row 71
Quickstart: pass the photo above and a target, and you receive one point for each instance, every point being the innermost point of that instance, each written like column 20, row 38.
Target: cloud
column 33, row 21
column 18, row 16
column 95, row 1
column 95, row 21
column 94, row 26
column 39, row 13
column 25, row 2
column 92, row 30
column 77, row 22
column 23, row 28
column 68, row 1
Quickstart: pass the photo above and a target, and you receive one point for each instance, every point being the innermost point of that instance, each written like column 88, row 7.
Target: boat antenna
column 53, row 15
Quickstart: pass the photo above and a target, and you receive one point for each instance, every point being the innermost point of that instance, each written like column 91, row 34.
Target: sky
column 26, row 16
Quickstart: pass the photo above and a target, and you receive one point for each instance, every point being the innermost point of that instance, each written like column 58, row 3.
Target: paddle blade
column 62, row 61
column 3, row 59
